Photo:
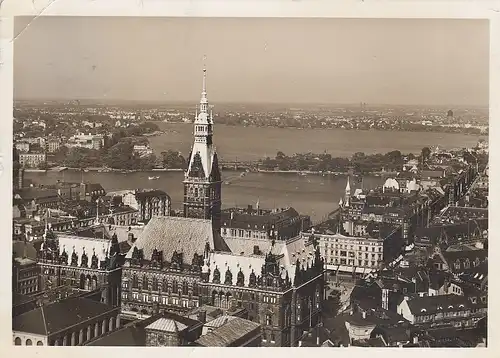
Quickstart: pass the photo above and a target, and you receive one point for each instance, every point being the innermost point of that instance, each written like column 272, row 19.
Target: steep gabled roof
column 177, row 234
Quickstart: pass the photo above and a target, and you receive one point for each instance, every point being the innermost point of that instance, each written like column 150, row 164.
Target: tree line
column 359, row 162
column 118, row 152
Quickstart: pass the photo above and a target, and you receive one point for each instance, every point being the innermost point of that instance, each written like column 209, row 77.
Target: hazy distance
column 377, row 61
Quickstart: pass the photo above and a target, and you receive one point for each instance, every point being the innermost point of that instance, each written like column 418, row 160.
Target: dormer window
column 423, row 310
column 440, row 308
column 450, row 307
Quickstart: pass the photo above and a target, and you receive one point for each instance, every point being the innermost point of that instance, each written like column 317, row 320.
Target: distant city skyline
column 303, row 61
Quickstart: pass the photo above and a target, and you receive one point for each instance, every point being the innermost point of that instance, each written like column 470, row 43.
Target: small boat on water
column 154, row 178
column 302, row 174
column 243, row 174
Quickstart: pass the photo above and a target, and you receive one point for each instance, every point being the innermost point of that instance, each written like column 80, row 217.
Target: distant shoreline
column 346, row 129
column 263, row 171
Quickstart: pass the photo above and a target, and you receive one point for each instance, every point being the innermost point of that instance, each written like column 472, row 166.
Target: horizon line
column 110, row 101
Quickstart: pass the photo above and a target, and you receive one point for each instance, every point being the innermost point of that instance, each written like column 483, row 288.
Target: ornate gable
column 196, row 170
column 215, row 172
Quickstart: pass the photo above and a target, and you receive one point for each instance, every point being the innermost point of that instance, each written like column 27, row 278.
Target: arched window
column 135, row 282
column 145, row 283
column 82, row 281
column 195, row 289
column 88, row 283
column 164, row 285
column 94, row 282
column 39, row 343
column 226, row 300
column 175, row 287
column 154, row 285
column 17, row 341
column 269, row 319
column 29, row 342
column 185, row 288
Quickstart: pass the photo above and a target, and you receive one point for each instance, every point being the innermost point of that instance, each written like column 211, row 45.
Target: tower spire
column 204, row 100
column 347, row 196
column 202, row 179
column 204, row 79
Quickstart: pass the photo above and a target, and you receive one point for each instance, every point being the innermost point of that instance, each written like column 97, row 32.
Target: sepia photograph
column 250, row 182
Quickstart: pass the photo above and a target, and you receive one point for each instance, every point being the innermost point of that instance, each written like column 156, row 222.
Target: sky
column 377, row 61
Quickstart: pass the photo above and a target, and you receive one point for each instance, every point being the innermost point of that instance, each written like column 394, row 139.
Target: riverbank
column 327, row 173
column 108, row 170
column 262, row 171
column 423, row 129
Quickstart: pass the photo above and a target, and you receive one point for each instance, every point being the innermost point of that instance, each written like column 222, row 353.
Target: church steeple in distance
column 202, row 179
column 347, row 195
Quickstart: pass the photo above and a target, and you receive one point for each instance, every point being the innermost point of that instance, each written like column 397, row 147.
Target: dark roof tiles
column 58, row 316
column 229, row 333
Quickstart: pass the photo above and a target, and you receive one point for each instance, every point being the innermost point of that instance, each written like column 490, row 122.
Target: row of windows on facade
column 360, row 248
column 337, row 261
column 163, row 300
column 352, row 254
column 200, row 128
column 27, row 273
column 466, row 263
column 28, row 282
column 197, row 189
column 443, row 315
column 19, row 342
column 326, row 239
column 28, row 290
column 244, row 233
column 151, row 205
column 154, row 285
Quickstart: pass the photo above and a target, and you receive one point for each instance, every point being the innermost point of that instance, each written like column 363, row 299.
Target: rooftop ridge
column 43, row 318
column 98, row 239
column 179, row 218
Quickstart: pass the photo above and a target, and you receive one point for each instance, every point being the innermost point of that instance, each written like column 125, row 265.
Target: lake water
column 313, row 195
column 252, row 143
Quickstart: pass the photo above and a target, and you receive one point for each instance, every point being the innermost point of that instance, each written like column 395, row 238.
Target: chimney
column 364, row 314
column 202, row 316
column 415, row 339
